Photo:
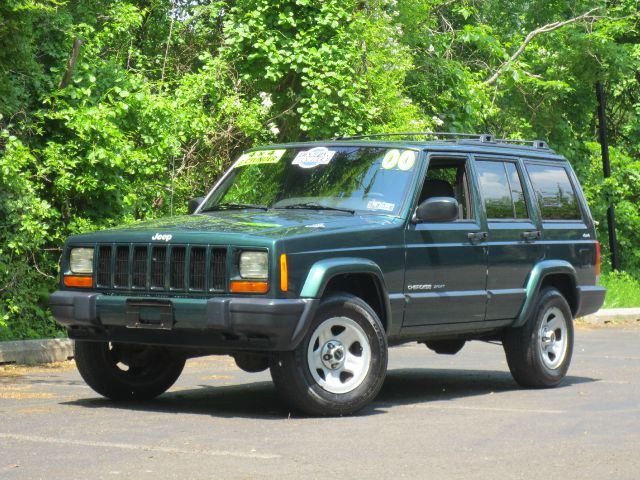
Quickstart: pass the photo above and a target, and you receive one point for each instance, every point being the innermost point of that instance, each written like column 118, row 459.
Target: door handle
column 531, row 235
column 477, row 237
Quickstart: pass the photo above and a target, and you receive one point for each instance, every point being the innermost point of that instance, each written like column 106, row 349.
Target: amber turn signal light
column 78, row 281
column 284, row 273
column 241, row 286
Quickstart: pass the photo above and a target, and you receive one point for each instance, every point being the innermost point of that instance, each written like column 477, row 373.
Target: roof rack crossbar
column 534, row 143
column 483, row 137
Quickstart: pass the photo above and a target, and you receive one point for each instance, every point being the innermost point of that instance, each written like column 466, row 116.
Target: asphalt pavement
column 437, row 417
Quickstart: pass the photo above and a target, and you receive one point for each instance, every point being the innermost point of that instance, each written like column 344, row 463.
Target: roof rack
column 534, row 143
column 453, row 136
column 482, row 137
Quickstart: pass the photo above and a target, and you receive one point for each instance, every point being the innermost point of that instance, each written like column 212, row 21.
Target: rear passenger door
column 564, row 219
column 514, row 233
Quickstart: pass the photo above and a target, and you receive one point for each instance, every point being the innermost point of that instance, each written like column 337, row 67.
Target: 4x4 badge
column 160, row 236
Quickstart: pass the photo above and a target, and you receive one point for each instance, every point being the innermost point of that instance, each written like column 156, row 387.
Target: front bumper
column 220, row 323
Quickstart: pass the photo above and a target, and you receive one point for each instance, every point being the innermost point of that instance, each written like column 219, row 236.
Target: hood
column 238, row 225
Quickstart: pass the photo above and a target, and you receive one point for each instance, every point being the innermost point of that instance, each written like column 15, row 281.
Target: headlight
column 254, row 265
column 81, row 260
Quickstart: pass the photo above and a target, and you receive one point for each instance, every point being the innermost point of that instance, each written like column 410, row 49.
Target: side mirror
column 194, row 203
column 436, row 209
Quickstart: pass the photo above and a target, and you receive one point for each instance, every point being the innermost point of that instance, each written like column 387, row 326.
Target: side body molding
column 539, row 271
column 323, row 271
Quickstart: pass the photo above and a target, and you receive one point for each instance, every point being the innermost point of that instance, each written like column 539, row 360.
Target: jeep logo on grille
column 160, row 236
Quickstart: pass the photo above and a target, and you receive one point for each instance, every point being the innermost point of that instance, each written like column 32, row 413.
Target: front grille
column 103, row 277
column 217, row 269
column 140, row 267
column 158, row 258
column 197, row 267
column 122, row 267
column 177, row 268
column 160, row 269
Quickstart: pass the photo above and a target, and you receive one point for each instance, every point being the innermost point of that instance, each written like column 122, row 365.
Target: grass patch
column 623, row 290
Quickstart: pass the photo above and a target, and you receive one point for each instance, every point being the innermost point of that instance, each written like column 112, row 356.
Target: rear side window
column 517, row 194
column 554, row 192
column 501, row 190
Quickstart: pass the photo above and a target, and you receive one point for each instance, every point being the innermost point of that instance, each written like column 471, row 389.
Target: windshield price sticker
column 314, row 157
column 377, row 205
column 260, row 156
column 403, row 161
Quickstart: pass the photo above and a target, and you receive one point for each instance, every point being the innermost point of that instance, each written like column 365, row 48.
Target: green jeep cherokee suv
column 312, row 258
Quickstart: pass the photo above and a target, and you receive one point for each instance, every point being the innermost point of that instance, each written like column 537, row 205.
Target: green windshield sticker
column 260, row 156
column 403, row 161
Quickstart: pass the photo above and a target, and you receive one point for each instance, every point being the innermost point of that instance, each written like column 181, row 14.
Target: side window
column 502, row 190
column 517, row 193
column 554, row 192
column 447, row 177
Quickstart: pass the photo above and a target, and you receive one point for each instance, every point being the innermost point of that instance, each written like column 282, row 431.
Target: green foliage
column 331, row 67
column 165, row 93
column 623, row 290
column 623, row 188
column 23, row 231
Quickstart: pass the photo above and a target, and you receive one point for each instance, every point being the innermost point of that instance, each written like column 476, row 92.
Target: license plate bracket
column 149, row 313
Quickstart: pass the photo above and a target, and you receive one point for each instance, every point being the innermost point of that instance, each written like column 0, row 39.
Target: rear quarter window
column 554, row 192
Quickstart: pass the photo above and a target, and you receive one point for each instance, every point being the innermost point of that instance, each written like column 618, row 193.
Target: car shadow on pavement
column 424, row 385
column 259, row 400
column 250, row 400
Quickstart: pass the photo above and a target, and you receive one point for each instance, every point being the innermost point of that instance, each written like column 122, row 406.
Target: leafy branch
column 71, row 63
column 549, row 27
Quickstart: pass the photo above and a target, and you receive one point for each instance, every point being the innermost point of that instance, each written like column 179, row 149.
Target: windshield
column 348, row 179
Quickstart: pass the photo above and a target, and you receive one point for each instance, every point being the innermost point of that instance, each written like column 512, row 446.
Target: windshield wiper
column 318, row 206
column 234, row 206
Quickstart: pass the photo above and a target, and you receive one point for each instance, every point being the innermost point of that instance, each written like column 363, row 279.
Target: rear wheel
column 539, row 353
column 127, row 372
column 341, row 363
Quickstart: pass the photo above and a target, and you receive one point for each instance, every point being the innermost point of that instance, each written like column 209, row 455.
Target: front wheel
column 539, row 353
column 340, row 365
column 127, row 372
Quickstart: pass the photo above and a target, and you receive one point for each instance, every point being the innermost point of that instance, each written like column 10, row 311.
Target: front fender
column 323, row 271
column 537, row 275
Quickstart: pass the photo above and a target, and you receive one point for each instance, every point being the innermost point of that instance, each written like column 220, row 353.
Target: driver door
column 446, row 263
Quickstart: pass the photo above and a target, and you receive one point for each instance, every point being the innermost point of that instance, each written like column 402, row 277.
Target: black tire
column 319, row 391
column 530, row 349
column 127, row 372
